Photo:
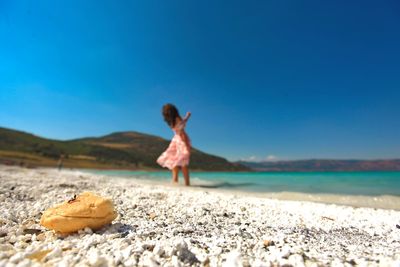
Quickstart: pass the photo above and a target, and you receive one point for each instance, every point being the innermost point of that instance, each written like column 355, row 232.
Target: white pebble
column 158, row 250
column 95, row 259
column 17, row 257
column 87, row 230
column 56, row 252
column 233, row 259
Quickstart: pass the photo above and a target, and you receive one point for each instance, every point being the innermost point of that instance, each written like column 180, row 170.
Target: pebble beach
column 160, row 225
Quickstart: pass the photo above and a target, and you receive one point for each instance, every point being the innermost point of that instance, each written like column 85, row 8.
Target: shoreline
column 177, row 226
column 387, row 202
column 390, row 202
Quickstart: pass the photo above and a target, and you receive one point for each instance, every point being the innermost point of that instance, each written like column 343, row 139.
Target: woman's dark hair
column 170, row 113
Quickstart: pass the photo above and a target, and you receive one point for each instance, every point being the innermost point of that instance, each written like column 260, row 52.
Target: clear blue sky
column 287, row 79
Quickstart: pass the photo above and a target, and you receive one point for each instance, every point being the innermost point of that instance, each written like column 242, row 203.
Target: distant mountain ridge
column 134, row 150
column 315, row 165
column 121, row 150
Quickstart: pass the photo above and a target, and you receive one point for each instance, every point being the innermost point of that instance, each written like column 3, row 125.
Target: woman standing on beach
column 178, row 152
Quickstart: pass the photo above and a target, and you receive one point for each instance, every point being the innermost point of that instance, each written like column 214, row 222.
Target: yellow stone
column 152, row 215
column 84, row 210
column 39, row 255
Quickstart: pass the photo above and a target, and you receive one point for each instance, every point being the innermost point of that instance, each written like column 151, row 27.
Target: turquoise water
column 348, row 183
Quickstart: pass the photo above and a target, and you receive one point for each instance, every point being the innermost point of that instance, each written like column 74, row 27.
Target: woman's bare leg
column 185, row 171
column 175, row 174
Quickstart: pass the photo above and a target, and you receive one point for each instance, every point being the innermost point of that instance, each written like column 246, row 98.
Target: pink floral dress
column 178, row 151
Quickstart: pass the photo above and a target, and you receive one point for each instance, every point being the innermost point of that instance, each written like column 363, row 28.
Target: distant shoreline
column 324, row 165
column 382, row 201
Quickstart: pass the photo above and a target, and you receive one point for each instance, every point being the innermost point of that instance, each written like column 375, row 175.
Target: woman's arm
column 187, row 116
column 182, row 122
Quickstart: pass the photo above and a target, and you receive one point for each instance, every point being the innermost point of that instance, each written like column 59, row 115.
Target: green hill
column 123, row 150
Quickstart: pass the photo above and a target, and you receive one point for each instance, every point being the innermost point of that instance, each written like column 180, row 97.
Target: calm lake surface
column 347, row 183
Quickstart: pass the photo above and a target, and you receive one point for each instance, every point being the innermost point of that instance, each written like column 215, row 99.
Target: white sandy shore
column 177, row 226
